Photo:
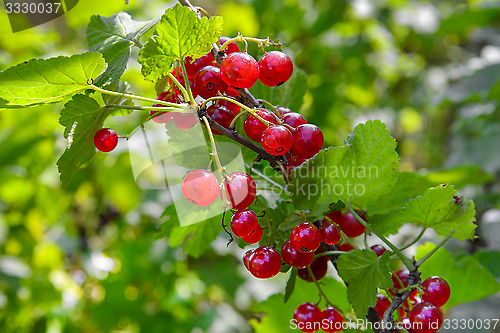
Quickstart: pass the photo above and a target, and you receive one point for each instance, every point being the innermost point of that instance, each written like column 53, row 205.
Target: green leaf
column 180, row 34
column 438, row 208
column 121, row 87
column 114, row 37
column 82, row 117
column 459, row 176
column 490, row 260
column 468, row 279
column 364, row 273
column 290, row 285
column 42, row 81
column 363, row 169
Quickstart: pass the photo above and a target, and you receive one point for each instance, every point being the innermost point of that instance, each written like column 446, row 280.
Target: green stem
column 271, row 106
column 309, row 269
column 328, row 253
column 214, row 154
column 145, row 99
column 203, row 11
column 186, row 81
column 422, row 260
column 260, row 42
column 239, row 115
column 401, row 256
column 252, row 111
column 145, row 108
column 414, row 241
column 180, row 86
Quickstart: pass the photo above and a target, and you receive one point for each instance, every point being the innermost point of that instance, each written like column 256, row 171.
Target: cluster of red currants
column 309, row 318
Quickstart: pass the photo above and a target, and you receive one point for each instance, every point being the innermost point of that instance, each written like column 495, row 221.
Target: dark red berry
column 330, row 233
column 192, row 67
column 275, row 68
column 319, row 266
column 401, row 276
column 184, row 120
column 240, row 190
column 230, row 105
column 379, row 249
column 295, row 258
column 346, row 247
column 221, row 115
column 436, row 291
column 280, row 111
column 350, row 225
column 305, row 237
column 426, row 318
column 335, row 216
column 208, row 82
column 307, row 141
column 231, row 47
column 264, row 263
column 307, row 317
column 293, row 119
column 254, row 128
column 382, row 305
column 246, row 257
column 105, row 139
column 276, row 140
column 200, row 187
column 239, row 70
column 244, row 222
column 292, row 163
column 255, row 236
column 331, row 320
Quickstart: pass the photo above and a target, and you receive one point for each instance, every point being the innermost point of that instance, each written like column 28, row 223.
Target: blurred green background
column 84, row 259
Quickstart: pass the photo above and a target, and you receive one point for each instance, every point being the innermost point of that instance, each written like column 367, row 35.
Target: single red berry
column 307, row 141
column 244, row 222
column 436, row 291
column 254, row 128
column 330, row 233
column 239, row 70
column 164, row 117
column 345, row 247
column 413, row 298
column 382, row 305
column 293, row 119
column 335, row 216
column 240, row 190
column 401, row 276
column 200, row 187
column 280, row 111
column 307, row 317
column 295, row 258
column 332, row 320
column 105, row 139
column 208, row 82
column 231, row 47
column 276, row 140
column 264, row 263
column 292, row 163
column 184, row 120
column 221, row 115
column 350, row 225
column 275, row 68
column 192, row 67
column 246, row 257
column 426, row 318
column 319, row 266
column 305, row 237
column 379, row 249
column 230, row 105
column 255, row 236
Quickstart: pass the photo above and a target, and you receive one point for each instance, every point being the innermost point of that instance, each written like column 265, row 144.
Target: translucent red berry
column 307, row 141
column 255, row 236
column 240, row 190
column 243, row 222
column 275, row 68
column 350, row 225
column 295, row 258
column 436, row 291
column 208, row 82
column 105, row 139
column 382, row 305
column 401, row 276
column 264, row 263
column 331, row 320
column 221, row 115
column 293, row 119
column 307, row 317
column 231, row 47
column 246, row 257
column 254, row 128
column 164, row 117
column 184, row 120
column 200, row 187
column 379, row 249
column 319, row 267
column 239, row 70
column 330, row 233
column 346, row 247
column 426, row 318
column 305, row 237
column 276, row 140
column 192, row 67
column 280, row 111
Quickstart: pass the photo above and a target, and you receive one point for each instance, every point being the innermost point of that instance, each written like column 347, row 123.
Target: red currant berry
column 292, row 163
column 401, row 276
column 436, row 290
column 244, row 222
column 184, row 120
column 330, row 233
column 295, row 258
column 231, row 47
column 275, row 68
column 426, row 318
column 105, row 139
column 255, row 236
column 280, row 111
column 221, row 115
column 305, row 237
column 276, row 140
column 254, row 128
column 350, row 225
column 345, row 247
column 240, row 190
column 264, row 263
column 307, row 141
column 208, row 82
column 230, row 105
column 200, row 187
column 293, row 119
column 335, row 216
column 382, row 305
column 246, row 257
column 406, row 324
column 308, row 317
column 239, row 70
column 319, row 266
column 192, row 67
column 379, row 249
column 332, row 320
column 164, row 117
